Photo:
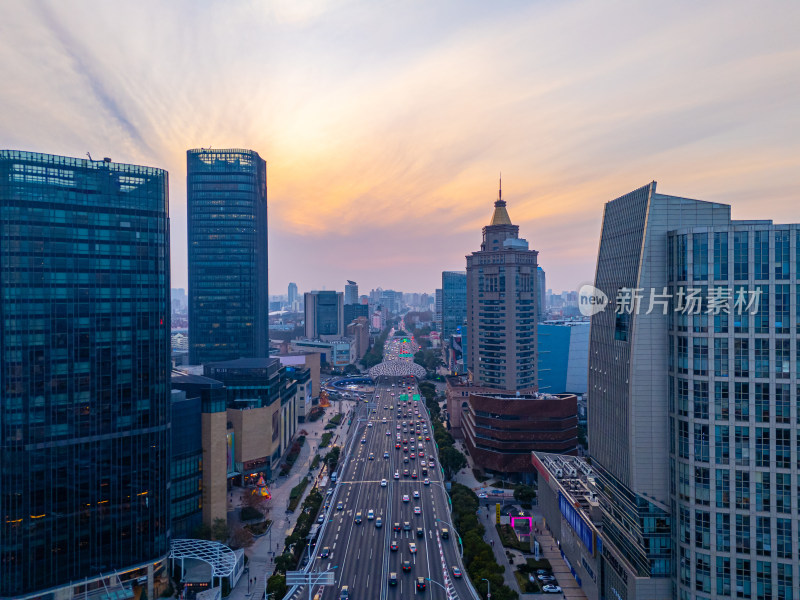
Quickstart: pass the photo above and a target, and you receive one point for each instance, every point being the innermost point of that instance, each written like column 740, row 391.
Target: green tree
column 452, row 461
column 524, row 494
column 276, row 585
column 284, row 562
column 219, row 530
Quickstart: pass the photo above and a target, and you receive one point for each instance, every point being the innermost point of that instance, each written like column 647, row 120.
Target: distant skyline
column 385, row 125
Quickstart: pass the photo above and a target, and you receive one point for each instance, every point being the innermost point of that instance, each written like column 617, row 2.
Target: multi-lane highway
column 388, row 513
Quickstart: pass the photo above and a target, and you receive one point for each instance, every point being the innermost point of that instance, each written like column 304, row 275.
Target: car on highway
column 369, row 424
column 394, row 546
column 406, row 565
column 456, row 572
column 420, row 584
column 370, row 514
column 445, row 533
column 358, row 518
column 405, row 472
column 405, row 498
column 413, row 456
column 405, row 448
column 412, row 547
column 340, row 506
column 383, row 483
column 397, row 526
column 397, row 445
column 406, row 526
column 421, row 454
column 321, row 519
column 405, row 460
column 325, row 552
column 551, row 589
column 345, row 593
column 392, row 578
column 388, row 432
column 420, row 532
column 426, row 482
column 385, row 455
column 372, row 456
column 414, row 475
column 378, row 523
column 396, row 475
column 417, row 510
column 427, row 438
column 430, row 461
column 416, row 493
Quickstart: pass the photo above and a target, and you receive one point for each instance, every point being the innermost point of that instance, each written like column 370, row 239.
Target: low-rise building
column 568, row 500
column 338, row 353
column 501, row 430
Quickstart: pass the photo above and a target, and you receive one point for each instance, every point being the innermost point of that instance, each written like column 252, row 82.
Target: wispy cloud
column 385, row 124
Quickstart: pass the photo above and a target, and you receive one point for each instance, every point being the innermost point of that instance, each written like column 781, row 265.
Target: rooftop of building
column 500, row 214
column 574, row 477
column 244, row 363
column 180, row 377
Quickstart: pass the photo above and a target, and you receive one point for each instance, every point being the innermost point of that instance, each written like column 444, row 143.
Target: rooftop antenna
column 90, row 156
column 500, row 194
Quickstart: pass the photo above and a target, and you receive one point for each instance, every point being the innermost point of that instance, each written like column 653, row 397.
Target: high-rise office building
column 541, row 286
column 227, row 213
column 351, row 292
column 501, row 307
column 702, row 373
column 354, row 311
column 437, row 308
column 454, row 302
column 84, row 366
column 324, row 315
column 292, row 298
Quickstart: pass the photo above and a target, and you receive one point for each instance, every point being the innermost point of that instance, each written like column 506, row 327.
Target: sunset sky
column 385, row 124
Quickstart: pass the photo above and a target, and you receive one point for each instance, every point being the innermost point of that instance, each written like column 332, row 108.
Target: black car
column 420, row 584
column 406, row 565
column 392, row 578
column 420, row 532
column 325, row 553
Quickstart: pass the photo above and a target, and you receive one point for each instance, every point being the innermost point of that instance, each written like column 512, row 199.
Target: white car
column 369, row 424
column 397, row 475
column 426, row 482
column 417, row 510
column 551, row 589
column 388, row 432
column 416, row 494
column 405, row 498
column 384, row 483
column 370, row 515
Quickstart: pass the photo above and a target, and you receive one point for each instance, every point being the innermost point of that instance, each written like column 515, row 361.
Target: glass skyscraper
column 454, row 302
column 324, row 315
column 84, row 370
column 693, row 401
column 227, row 230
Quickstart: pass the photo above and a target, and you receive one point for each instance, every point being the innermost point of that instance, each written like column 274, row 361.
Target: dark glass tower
column 227, row 210
column 84, row 371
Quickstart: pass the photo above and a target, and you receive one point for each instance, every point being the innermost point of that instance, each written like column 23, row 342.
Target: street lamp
column 488, row 588
column 437, row 583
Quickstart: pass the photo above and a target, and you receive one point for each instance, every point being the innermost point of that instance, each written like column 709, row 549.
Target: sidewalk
column 262, row 553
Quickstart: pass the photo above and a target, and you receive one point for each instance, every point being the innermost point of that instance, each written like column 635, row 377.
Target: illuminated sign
column 574, row 519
